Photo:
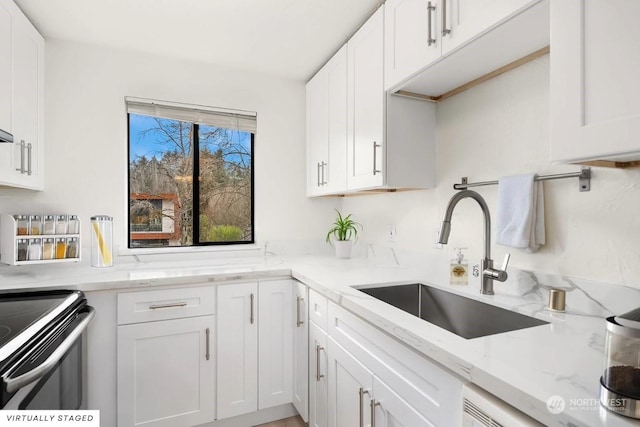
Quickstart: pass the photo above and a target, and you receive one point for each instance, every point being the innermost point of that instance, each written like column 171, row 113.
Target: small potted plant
column 345, row 233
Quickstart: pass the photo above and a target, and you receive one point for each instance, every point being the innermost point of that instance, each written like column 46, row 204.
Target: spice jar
column 48, row 248
column 72, row 247
column 35, row 225
column 35, row 250
column 74, row 225
column 23, row 247
column 61, row 247
column 61, row 224
column 620, row 382
column 22, row 225
column 48, row 224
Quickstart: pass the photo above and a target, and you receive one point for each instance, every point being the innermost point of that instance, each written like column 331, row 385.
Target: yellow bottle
column 459, row 269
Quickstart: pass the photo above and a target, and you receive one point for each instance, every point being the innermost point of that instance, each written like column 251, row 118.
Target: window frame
column 241, row 244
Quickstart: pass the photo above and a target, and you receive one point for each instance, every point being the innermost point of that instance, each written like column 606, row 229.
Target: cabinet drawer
column 434, row 392
column 318, row 309
column 147, row 306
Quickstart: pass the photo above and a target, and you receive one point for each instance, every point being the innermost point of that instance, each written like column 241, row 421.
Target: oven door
column 53, row 375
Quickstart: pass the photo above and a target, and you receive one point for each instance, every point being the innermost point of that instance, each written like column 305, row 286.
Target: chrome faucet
column 489, row 274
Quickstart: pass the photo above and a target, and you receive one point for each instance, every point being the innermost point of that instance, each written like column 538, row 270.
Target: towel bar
column 584, row 178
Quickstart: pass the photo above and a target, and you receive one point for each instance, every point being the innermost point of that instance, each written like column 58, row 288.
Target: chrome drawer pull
column 171, row 305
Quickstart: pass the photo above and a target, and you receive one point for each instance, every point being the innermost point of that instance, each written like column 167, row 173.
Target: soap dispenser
column 459, row 269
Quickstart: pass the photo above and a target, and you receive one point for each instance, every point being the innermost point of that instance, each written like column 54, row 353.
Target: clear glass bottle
column 459, row 269
column 35, row 225
column 35, row 250
column 61, row 247
column 61, row 224
column 22, row 225
column 74, row 225
column 48, row 224
column 101, row 241
column 48, row 248
column 72, row 247
column 23, row 250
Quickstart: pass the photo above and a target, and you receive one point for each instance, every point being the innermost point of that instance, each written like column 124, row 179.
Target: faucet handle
column 505, row 262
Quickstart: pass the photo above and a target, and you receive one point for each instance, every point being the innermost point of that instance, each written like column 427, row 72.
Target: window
column 190, row 175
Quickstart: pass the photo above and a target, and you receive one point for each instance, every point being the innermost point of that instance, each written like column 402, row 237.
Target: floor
column 288, row 422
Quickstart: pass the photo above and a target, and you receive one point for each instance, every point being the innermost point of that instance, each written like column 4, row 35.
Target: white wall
column 86, row 136
column 501, row 128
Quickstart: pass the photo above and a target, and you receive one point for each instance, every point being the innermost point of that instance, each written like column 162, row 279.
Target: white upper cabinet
column 365, row 105
column 390, row 139
column 5, row 68
column 595, row 90
column 22, row 167
column 435, row 46
column 358, row 138
column 327, row 127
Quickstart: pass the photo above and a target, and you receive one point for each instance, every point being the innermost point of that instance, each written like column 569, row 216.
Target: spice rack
column 30, row 239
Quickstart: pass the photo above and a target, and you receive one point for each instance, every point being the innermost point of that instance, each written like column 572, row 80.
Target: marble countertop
column 558, row 363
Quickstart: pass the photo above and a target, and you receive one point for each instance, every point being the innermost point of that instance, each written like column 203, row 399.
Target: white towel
column 520, row 213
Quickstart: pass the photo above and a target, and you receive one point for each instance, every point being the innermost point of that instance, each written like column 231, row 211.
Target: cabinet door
column 365, row 105
column 327, row 127
column 237, row 349
column 392, row 411
column 27, row 103
column 466, row 19
column 275, row 338
column 318, row 391
column 317, row 99
column 6, row 150
column 411, row 38
column 301, row 350
column 335, row 172
column 5, row 69
column 166, row 373
column 595, row 90
column 350, row 388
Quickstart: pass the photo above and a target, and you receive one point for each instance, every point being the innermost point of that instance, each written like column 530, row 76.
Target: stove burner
column 4, row 331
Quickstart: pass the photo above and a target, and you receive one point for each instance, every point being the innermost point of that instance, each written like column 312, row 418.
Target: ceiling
column 284, row 38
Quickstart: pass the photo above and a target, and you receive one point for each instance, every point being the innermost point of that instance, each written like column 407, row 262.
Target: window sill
column 250, row 249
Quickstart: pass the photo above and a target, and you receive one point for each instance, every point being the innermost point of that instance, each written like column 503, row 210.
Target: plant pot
column 343, row 248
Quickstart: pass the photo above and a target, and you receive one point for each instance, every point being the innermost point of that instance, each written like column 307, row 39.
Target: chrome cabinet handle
column 445, row 30
column 170, row 305
column 375, row 157
column 299, row 321
column 207, row 332
column 430, row 9
column 22, row 147
column 323, row 181
column 373, row 412
column 13, row 384
column 29, row 159
column 319, row 376
column 318, row 177
column 251, row 319
column 362, row 392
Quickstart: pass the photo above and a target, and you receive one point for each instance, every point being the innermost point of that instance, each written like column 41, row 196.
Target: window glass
column 167, row 205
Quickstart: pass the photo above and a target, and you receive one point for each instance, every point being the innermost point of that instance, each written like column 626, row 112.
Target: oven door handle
column 14, row 384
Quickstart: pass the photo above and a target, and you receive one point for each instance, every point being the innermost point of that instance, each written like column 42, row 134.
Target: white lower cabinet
column 275, row 343
column 300, row 394
column 375, row 380
column 350, row 386
column 166, row 374
column 318, row 389
column 255, row 332
column 237, row 355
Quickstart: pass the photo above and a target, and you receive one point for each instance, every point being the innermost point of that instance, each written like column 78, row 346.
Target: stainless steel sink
column 465, row 317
